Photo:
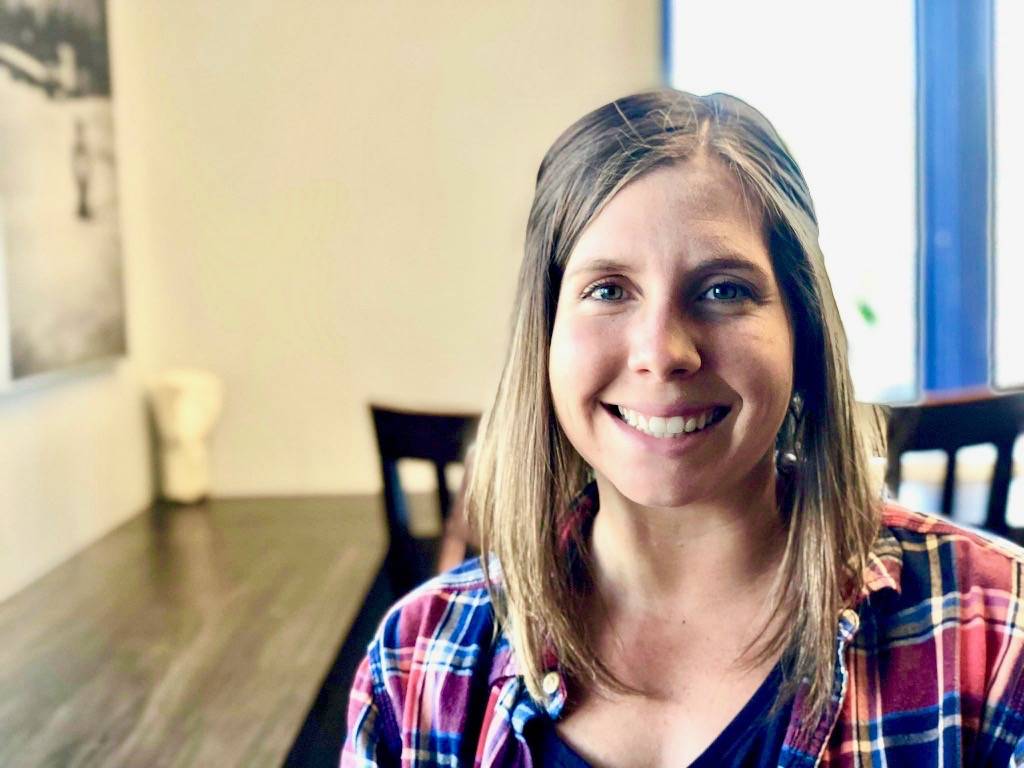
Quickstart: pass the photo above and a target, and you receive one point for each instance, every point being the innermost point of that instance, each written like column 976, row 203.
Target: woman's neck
column 688, row 558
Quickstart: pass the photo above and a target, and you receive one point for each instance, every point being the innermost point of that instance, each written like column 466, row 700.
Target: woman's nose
column 665, row 345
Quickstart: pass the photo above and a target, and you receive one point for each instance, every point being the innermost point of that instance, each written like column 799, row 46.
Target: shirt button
column 551, row 683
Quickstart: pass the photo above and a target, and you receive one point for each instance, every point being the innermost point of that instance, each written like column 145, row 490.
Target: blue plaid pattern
column 929, row 667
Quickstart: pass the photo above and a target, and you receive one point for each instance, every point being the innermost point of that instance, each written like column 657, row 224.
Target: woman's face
column 671, row 362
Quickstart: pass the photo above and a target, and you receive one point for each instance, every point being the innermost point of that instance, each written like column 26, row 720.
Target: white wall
column 324, row 203
column 332, row 202
column 73, row 464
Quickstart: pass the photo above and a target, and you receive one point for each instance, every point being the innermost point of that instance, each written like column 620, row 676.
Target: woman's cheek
column 560, row 364
column 584, row 336
column 580, row 367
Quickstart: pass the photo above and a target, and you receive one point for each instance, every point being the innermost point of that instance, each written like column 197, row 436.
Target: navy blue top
column 751, row 740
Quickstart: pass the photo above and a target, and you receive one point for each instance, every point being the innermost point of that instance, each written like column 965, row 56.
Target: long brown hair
column 526, row 472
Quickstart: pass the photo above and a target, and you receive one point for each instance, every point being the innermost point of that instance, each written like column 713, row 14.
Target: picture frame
column 62, row 298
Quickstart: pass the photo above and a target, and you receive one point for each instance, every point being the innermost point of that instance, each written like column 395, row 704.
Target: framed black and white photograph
column 59, row 224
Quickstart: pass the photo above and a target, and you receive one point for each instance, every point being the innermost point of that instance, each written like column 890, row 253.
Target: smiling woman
column 673, row 335
column 687, row 560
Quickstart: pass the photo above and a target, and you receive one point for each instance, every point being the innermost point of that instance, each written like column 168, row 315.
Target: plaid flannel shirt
column 929, row 668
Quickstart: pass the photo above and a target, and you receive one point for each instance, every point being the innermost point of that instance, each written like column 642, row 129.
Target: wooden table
column 189, row 636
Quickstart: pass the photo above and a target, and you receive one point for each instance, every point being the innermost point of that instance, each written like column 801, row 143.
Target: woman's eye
column 605, row 292
column 727, row 292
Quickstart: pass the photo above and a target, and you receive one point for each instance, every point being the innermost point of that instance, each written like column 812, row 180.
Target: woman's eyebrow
column 730, row 261
column 599, row 265
column 722, row 261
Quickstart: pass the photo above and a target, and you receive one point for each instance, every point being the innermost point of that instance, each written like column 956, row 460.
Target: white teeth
column 660, row 426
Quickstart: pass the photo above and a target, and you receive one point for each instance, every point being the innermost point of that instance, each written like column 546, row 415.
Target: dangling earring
column 787, row 447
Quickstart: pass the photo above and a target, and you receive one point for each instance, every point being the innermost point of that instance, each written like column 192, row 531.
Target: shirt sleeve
column 365, row 742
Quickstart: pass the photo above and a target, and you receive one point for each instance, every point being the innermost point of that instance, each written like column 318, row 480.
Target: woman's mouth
column 669, row 426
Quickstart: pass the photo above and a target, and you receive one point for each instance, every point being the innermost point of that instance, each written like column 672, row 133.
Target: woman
column 689, row 563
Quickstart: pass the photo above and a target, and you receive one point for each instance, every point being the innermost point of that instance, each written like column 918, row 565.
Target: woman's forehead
column 699, row 201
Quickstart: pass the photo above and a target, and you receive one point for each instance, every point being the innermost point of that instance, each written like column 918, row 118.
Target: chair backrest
column 949, row 426
column 440, row 438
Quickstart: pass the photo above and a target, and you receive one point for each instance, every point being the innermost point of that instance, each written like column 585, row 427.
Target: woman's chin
column 657, row 495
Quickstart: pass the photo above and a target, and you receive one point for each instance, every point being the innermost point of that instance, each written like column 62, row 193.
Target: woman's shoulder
column 943, row 621
column 933, row 578
column 941, row 555
column 466, row 578
column 453, row 607
column 425, row 670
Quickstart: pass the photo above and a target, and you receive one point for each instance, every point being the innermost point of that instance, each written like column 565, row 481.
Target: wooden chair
column 438, row 438
column 951, row 425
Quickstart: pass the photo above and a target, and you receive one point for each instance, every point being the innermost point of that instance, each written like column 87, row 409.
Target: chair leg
column 399, row 566
column 443, row 495
column 948, row 483
column 1000, row 490
column 894, row 474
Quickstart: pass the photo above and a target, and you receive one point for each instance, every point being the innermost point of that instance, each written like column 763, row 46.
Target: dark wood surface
column 189, row 636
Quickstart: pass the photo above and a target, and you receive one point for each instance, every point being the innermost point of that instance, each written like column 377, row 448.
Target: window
column 840, row 89
column 1009, row 193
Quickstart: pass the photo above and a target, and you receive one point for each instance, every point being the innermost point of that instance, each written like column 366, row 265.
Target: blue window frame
column 954, row 101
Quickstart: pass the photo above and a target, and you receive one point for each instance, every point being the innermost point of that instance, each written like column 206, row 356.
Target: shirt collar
column 884, row 566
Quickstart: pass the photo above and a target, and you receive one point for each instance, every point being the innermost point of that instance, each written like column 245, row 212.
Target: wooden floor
column 193, row 636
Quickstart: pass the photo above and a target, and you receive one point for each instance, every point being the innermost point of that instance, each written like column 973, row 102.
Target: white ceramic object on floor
column 186, row 405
